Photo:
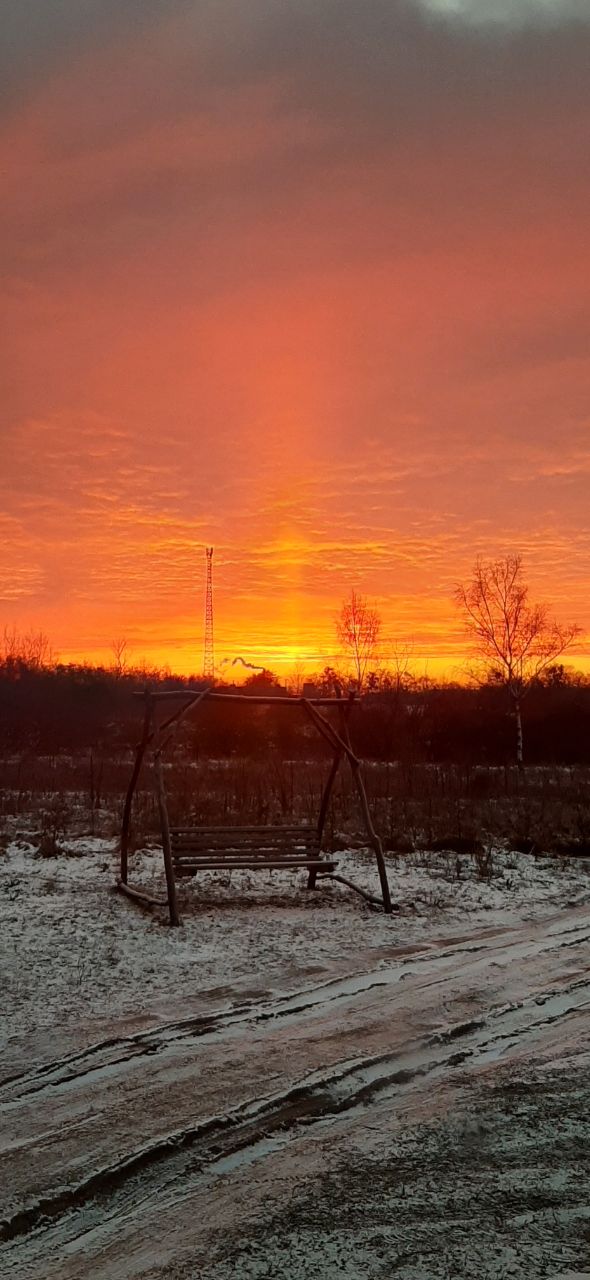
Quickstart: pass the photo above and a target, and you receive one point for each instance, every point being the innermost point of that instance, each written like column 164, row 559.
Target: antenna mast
column 208, row 654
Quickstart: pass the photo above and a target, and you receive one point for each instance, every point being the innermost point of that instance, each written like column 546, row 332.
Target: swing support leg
column 336, row 762
column 341, row 741
column 166, row 842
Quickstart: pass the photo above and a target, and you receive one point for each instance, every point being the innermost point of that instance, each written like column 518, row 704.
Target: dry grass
column 462, row 810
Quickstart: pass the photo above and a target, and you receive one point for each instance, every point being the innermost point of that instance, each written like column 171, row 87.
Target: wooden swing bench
column 266, row 848
column 188, row 850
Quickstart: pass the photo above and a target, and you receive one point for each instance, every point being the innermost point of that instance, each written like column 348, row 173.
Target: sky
column 304, row 280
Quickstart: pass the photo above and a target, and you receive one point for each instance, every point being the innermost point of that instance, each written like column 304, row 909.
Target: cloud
column 39, row 39
column 308, row 281
column 510, row 13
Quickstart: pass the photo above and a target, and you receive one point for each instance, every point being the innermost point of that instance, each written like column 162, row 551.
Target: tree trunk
column 518, row 718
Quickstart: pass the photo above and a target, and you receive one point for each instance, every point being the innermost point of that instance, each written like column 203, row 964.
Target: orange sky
column 309, row 282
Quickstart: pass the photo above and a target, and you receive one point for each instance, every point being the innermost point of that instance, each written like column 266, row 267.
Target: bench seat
column 285, row 848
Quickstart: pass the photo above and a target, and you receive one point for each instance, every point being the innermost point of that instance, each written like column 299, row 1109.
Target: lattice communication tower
column 209, row 654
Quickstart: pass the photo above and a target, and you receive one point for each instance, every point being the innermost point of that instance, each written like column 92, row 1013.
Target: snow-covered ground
column 75, row 954
column 293, row 1084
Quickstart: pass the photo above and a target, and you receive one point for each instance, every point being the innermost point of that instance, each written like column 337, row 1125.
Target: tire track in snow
column 129, row 1050
column 171, row 1167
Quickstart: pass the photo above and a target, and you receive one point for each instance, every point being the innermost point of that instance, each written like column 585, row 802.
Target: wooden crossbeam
column 253, row 699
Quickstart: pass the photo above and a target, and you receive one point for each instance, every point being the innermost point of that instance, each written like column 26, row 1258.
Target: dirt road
column 426, row 1116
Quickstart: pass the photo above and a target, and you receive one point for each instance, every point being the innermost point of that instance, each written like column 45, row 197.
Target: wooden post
column 342, row 740
column 144, row 899
column 166, row 843
column 312, row 877
column 371, row 832
column 150, row 734
column 327, row 794
column 194, row 702
column 139, row 754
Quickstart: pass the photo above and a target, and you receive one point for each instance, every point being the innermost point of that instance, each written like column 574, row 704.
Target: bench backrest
column 255, row 841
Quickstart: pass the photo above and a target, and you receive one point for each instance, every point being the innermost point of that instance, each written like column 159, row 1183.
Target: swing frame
column 157, row 736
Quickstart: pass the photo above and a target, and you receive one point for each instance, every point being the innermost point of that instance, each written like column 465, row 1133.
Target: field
column 293, row 1083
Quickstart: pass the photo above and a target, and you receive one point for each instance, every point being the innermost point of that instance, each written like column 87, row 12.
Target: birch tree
column 358, row 627
column 515, row 640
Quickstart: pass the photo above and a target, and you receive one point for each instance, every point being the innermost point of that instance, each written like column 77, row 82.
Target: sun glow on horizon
column 327, row 312
column 290, row 661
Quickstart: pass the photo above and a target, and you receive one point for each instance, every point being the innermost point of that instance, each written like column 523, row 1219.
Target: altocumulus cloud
column 304, row 276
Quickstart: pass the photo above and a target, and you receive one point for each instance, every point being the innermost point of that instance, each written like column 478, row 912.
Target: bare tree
column 515, row 641
column 358, row 627
column 120, row 652
column 31, row 649
column 296, row 679
column 401, row 659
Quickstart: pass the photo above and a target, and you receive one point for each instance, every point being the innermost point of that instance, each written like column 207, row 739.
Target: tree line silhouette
column 69, row 708
column 517, row 680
